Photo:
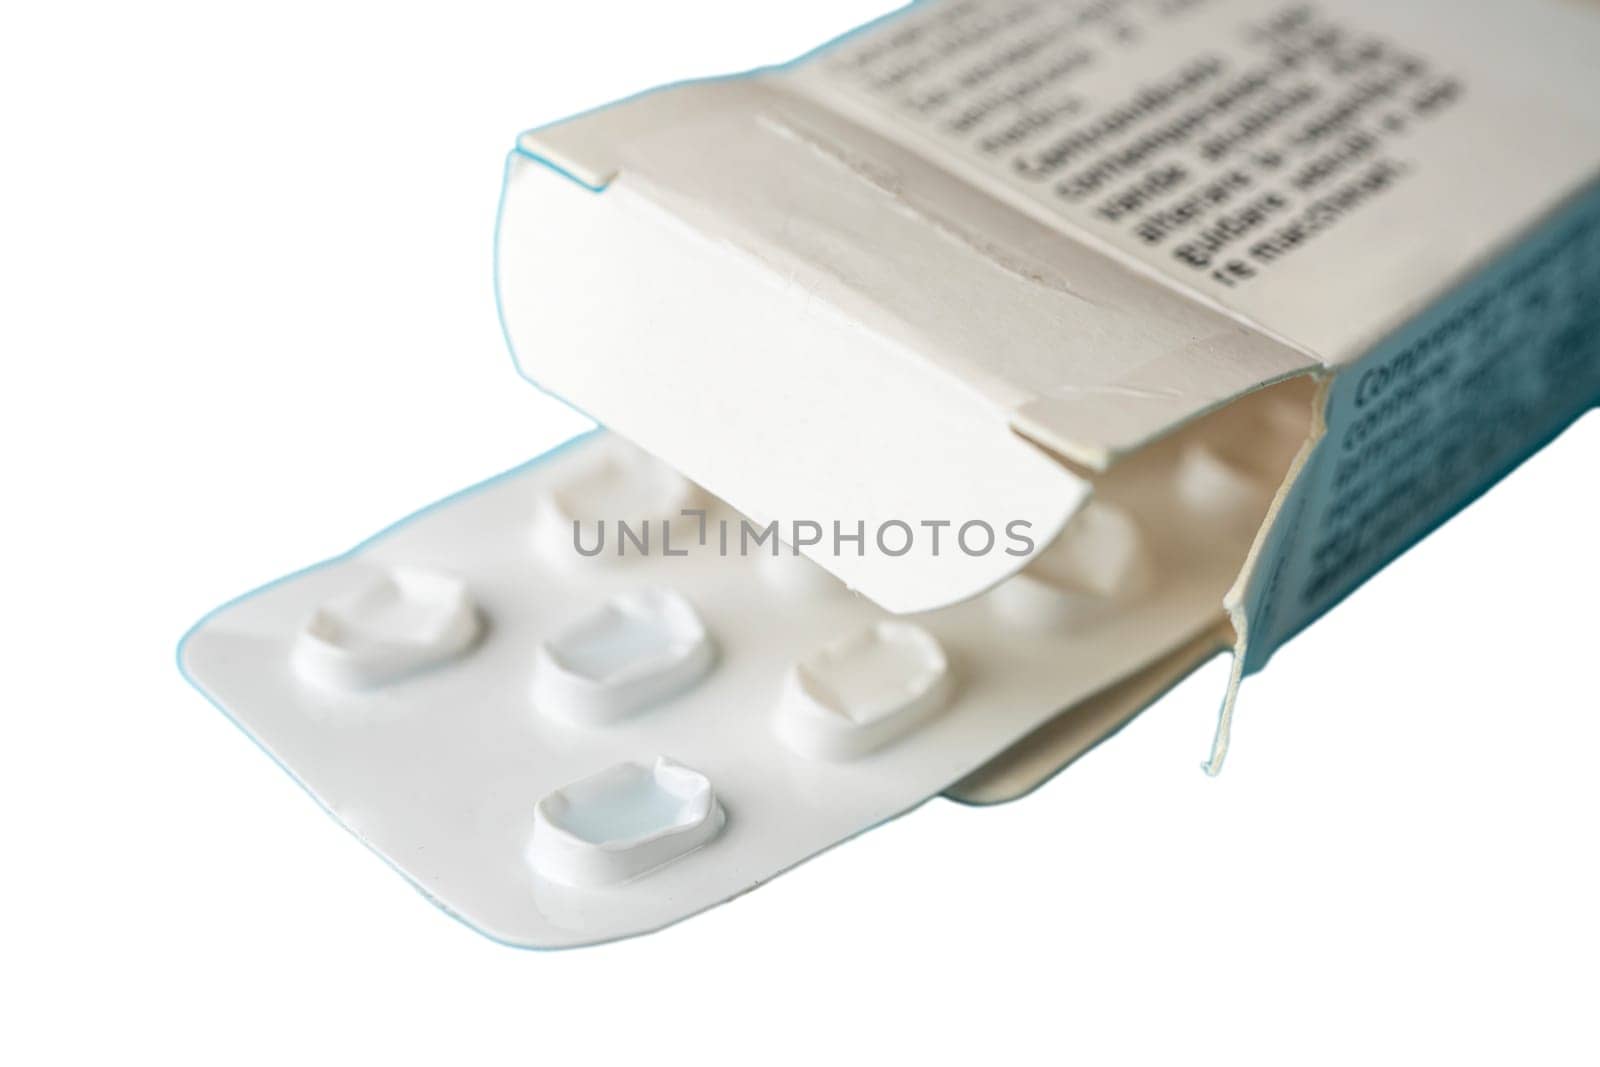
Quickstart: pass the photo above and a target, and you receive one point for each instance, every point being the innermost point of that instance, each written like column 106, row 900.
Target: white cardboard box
column 965, row 262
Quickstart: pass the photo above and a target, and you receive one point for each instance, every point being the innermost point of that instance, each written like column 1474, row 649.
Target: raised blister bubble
column 1211, row 485
column 1101, row 556
column 623, row 822
column 638, row 649
column 399, row 622
column 1101, row 552
column 1025, row 600
column 794, row 574
column 863, row 692
column 615, row 503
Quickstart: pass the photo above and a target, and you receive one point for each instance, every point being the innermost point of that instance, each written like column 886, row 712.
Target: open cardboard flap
column 816, row 324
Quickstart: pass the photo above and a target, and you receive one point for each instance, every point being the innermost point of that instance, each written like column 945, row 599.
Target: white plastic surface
column 540, row 815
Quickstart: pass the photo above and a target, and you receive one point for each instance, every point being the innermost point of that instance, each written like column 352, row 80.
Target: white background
column 247, row 320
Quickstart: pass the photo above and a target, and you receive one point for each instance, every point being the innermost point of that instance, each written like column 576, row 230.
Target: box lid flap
column 818, row 324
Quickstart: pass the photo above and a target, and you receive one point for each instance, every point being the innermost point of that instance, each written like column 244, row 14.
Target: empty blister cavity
column 638, row 649
column 401, row 621
column 617, row 503
column 1101, row 556
column 863, row 692
column 625, row 821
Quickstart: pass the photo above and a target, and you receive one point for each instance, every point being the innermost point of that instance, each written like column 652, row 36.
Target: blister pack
column 582, row 701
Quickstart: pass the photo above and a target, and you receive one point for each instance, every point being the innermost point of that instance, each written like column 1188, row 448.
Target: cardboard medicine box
column 971, row 262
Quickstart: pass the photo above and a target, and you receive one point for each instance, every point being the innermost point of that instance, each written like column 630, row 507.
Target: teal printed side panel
column 1432, row 418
